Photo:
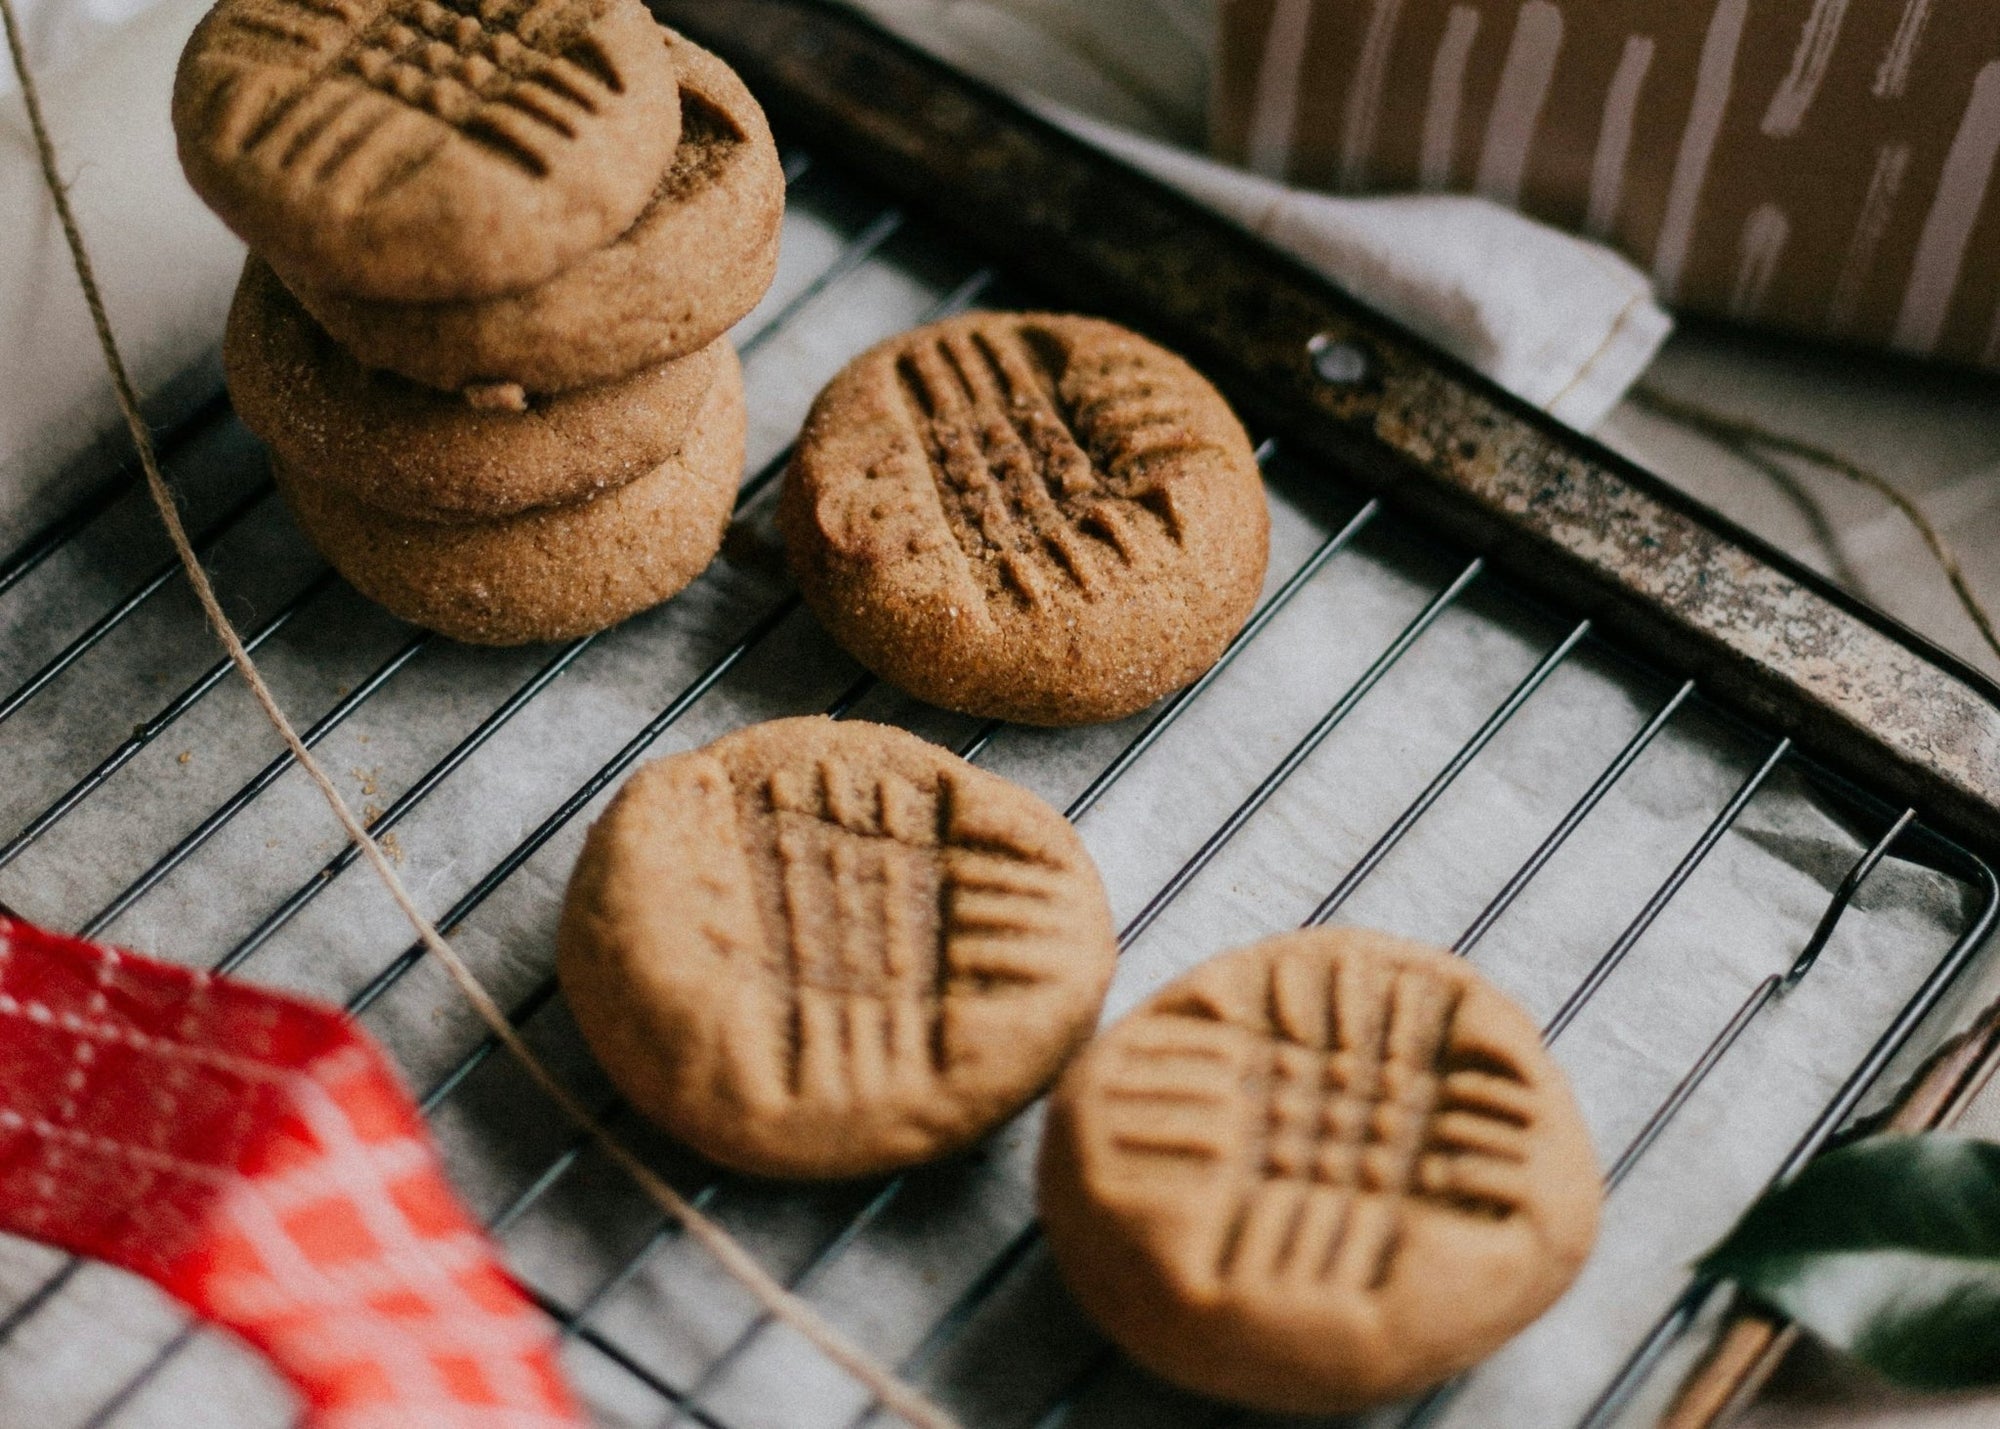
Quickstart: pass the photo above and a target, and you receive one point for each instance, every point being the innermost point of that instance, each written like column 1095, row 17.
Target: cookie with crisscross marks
column 819, row 948
column 1317, row 1173
column 698, row 259
column 424, row 150
column 1028, row 516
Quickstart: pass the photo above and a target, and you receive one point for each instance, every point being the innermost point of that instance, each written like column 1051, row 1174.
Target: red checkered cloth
column 256, row 1156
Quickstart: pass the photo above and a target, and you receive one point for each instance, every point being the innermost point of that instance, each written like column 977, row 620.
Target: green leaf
column 1889, row 1250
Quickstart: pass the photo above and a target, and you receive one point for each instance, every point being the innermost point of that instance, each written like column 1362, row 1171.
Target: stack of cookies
column 496, row 245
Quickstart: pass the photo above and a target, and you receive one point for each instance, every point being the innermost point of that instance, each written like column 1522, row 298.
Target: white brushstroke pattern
column 1614, row 134
column 1961, row 193
column 1758, row 254
column 1892, row 77
column 1275, row 116
column 1817, row 42
column 1517, row 108
column 1892, row 161
column 1364, row 95
column 1714, row 79
column 1447, row 97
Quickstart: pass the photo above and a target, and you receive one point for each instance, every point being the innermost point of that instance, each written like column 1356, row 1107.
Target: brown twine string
column 892, row 1393
column 1750, row 438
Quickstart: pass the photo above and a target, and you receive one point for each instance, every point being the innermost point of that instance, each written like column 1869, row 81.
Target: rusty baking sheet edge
column 1552, row 508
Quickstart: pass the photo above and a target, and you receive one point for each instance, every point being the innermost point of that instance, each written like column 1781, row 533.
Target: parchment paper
column 1744, row 915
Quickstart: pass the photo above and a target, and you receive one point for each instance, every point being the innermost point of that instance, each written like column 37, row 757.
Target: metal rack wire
column 692, row 1399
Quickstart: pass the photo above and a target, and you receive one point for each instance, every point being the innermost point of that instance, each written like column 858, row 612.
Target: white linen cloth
column 1558, row 320
column 59, row 32
column 166, row 264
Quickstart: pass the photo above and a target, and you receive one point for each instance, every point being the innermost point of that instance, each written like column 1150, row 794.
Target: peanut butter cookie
column 388, row 443
column 1320, row 1172
column 1027, row 516
column 823, row 949
column 422, row 150
column 698, row 259
column 552, row 573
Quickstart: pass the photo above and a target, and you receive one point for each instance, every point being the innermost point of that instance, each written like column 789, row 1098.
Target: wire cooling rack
column 1397, row 735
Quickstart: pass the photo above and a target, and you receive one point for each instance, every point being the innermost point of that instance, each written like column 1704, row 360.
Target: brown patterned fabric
column 1824, row 166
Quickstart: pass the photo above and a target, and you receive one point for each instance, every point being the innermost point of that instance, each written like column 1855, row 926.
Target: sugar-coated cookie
column 1032, row 517
column 1320, row 1172
column 388, row 443
column 552, row 573
column 419, row 150
column 824, row 949
column 698, row 259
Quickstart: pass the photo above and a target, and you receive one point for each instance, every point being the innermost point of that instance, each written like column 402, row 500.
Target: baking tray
column 1504, row 691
